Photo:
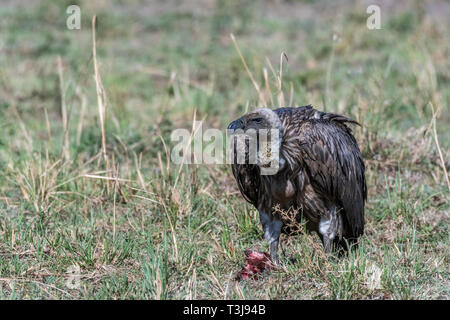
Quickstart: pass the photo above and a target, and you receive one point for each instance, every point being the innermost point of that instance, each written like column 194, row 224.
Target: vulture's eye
column 258, row 120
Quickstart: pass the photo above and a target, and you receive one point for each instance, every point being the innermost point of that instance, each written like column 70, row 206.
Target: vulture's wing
column 330, row 155
column 248, row 180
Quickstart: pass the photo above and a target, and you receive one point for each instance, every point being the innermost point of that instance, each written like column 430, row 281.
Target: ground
column 137, row 226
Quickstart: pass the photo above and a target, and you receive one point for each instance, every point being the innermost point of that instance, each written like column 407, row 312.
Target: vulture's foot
column 273, row 246
column 330, row 226
column 272, row 230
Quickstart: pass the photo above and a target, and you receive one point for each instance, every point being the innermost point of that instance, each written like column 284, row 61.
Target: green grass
column 165, row 232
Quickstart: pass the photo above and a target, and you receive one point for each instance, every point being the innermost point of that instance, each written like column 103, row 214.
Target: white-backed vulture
column 321, row 176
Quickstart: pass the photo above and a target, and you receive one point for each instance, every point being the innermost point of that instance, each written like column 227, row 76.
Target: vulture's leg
column 272, row 230
column 329, row 227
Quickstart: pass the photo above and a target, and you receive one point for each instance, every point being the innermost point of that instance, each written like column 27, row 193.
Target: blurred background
column 164, row 231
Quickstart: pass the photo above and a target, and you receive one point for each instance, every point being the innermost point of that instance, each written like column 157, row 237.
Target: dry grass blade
column 116, row 182
column 255, row 84
column 329, row 70
column 37, row 282
column 279, row 79
column 266, row 81
column 65, row 121
column 101, row 101
column 281, row 101
column 436, row 140
column 83, row 100
column 93, row 176
column 47, row 124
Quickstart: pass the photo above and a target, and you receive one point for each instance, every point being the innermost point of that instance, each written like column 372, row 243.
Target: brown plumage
column 321, row 176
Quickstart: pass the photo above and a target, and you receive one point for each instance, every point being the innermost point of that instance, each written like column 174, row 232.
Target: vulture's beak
column 236, row 124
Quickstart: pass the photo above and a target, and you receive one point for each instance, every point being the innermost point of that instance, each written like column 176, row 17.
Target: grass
column 108, row 199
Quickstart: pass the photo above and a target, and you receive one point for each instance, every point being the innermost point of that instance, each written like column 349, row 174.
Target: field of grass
column 139, row 226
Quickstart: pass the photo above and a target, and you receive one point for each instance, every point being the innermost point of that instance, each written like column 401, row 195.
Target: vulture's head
column 262, row 118
column 257, row 139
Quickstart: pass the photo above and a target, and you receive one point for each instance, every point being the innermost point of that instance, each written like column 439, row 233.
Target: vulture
column 320, row 176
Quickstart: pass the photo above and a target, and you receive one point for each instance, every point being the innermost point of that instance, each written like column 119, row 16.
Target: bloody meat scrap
column 257, row 263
